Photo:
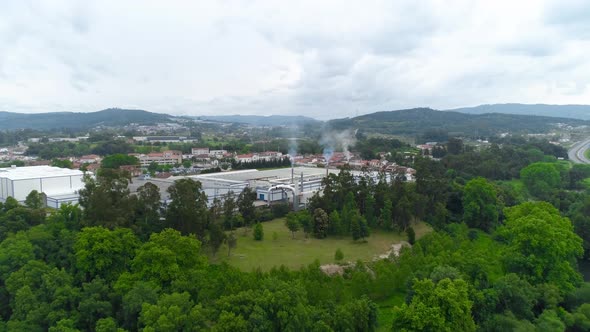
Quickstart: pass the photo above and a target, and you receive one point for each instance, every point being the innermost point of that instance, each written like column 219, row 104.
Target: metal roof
column 37, row 172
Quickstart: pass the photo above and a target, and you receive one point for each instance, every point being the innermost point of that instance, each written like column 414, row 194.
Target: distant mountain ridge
column 417, row 121
column 261, row 120
column 562, row 111
column 72, row 120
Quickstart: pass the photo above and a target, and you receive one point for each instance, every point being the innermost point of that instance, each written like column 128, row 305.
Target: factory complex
column 59, row 185
column 293, row 185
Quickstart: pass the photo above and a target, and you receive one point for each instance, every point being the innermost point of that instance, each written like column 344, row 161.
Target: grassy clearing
column 294, row 253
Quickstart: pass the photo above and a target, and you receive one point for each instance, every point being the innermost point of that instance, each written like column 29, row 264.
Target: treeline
column 370, row 147
column 499, row 161
column 52, row 150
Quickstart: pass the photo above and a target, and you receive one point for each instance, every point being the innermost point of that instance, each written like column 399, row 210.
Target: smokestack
column 301, row 191
column 292, row 173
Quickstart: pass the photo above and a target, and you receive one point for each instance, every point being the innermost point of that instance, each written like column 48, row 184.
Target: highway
column 577, row 153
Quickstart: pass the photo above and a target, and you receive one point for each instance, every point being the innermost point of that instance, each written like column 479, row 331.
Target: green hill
column 71, row 120
column 561, row 111
column 420, row 120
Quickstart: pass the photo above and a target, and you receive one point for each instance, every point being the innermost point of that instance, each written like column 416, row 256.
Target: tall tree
column 147, row 212
column 246, row 205
column 106, row 200
column 541, row 179
column 292, row 223
column 34, row 200
column 321, row 223
column 187, row 212
column 229, row 211
column 542, row 245
column 480, row 204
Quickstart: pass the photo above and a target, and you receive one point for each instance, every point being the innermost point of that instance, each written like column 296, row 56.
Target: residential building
column 199, row 151
column 89, row 159
column 169, row 157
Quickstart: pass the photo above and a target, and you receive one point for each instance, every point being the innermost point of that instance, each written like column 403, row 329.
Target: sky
column 324, row 59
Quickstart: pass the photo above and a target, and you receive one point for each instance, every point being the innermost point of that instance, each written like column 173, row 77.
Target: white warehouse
column 60, row 185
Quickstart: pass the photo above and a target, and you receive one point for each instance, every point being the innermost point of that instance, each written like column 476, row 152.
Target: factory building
column 60, row 185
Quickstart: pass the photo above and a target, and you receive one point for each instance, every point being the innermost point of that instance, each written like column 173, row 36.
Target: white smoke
column 333, row 141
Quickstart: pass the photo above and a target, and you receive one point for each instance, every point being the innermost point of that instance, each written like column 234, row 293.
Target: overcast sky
column 323, row 59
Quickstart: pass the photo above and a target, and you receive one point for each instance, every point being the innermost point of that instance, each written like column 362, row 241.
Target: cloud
column 323, row 59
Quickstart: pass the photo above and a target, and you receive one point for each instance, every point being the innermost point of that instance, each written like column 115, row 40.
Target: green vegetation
column 494, row 248
column 426, row 122
column 301, row 251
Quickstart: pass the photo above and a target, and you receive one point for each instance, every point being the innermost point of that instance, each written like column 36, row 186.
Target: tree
column 106, row 200
column 62, row 163
column 338, row 256
column 104, row 253
column 370, row 211
column 355, row 228
column 167, row 257
column 541, row 179
column 117, row 160
column 258, row 232
column 147, row 211
column 480, row 204
column 216, row 236
column 516, row 295
column 364, row 227
column 229, row 211
column 292, row 223
column 444, row 306
column 34, row 200
column 335, row 223
column 187, row 212
column 321, row 223
column 577, row 173
column 173, row 312
column 386, row 218
column 246, row 205
column 411, row 235
column 232, row 242
column 455, row 145
column 306, row 222
column 542, row 245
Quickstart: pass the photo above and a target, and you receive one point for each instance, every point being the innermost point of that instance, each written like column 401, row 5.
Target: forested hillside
column 560, row 111
column 70, row 120
column 417, row 121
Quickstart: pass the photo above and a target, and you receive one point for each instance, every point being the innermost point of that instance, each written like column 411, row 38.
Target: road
column 577, row 153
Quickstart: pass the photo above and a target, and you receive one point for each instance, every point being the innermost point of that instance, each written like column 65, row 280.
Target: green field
column 300, row 251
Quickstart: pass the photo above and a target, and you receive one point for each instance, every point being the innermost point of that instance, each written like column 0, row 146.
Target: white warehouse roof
column 36, row 172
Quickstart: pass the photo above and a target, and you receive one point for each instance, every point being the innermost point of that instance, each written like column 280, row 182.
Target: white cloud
column 319, row 58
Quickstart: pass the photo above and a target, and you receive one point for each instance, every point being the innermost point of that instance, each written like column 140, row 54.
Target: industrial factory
column 60, row 185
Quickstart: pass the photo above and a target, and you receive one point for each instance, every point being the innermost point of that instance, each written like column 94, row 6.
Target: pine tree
column 370, row 211
column 386, row 218
column 355, row 228
column 335, row 223
column 364, row 227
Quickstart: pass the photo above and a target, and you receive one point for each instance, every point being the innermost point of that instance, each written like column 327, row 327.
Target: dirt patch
column 394, row 250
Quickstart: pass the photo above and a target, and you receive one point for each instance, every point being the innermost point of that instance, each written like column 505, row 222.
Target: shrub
column 258, row 232
column 338, row 256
